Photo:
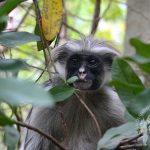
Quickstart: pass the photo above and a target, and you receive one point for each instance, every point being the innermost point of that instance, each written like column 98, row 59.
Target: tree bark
column 137, row 23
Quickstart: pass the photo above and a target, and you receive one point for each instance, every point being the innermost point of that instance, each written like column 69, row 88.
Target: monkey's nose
column 82, row 73
column 82, row 70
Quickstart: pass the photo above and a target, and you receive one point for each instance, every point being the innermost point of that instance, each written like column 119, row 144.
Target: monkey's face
column 89, row 69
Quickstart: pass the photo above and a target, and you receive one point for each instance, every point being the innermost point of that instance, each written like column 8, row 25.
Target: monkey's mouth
column 82, row 84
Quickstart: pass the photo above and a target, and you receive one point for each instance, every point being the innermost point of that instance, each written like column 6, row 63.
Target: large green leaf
column 115, row 135
column 8, row 7
column 142, row 49
column 126, row 82
column 141, row 104
column 61, row 92
column 4, row 120
column 142, row 56
column 11, row 137
column 13, row 65
column 13, row 39
column 16, row 92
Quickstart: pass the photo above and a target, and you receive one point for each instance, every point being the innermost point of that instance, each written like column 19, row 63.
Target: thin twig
column 36, row 67
column 130, row 146
column 63, row 30
column 75, row 16
column 39, row 23
column 40, row 76
column 49, row 137
column 73, row 29
column 91, row 20
column 131, row 139
column 107, row 8
column 96, row 17
column 24, row 17
column 127, row 143
column 90, row 112
column 44, row 43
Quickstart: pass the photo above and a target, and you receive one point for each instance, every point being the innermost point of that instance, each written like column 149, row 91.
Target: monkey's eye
column 92, row 63
column 74, row 61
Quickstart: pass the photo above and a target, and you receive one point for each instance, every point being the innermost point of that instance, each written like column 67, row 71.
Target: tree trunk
column 137, row 22
column 138, row 25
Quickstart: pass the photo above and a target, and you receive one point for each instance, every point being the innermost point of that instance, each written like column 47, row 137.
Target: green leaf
column 3, row 22
column 141, row 104
column 145, row 67
column 13, row 39
column 72, row 79
column 8, row 7
column 142, row 56
column 4, row 120
column 61, row 92
column 11, row 137
column 127, row 83
column 16, row 92
column 13, row 65
column 142, row 49
column 115, row 135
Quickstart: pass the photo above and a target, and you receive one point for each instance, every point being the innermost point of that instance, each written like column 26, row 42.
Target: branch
column 24, row 17
column 63, row 30
column 131, row 139
column 40, row 76
column 38, row 68
column 44, row 42
column 134, row 146
column 49, row 137
column 78, row 17
column 90, row 112
column 107, row 8
column 39, row 23
column 128, row 143
column 96, row 17
column 73, row 29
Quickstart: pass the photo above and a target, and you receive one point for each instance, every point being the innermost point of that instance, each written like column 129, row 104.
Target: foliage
column 13, row 39
column 16, row 91
column 115, row 135
column 134, row 95
column 11, row 137
column 50, row 21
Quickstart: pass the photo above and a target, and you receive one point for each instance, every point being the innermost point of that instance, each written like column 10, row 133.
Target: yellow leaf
column 51, row 18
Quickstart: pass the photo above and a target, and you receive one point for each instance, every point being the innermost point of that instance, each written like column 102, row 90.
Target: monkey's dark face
column 88, row 68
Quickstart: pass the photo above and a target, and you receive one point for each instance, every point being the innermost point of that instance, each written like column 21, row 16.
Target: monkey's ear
column 60, row 53
column 108, row 58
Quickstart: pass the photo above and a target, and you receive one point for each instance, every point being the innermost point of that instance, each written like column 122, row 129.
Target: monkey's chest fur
column 71, row 124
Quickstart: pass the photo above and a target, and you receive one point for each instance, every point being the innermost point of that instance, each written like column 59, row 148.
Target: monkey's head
column 88, row 59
